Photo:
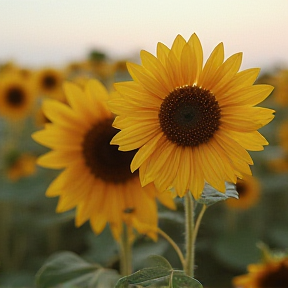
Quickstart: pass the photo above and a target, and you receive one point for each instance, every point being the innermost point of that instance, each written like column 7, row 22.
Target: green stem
column 125, row 253
column 6, row 212
column 189, row 229
column 174, row 245
column 197, row 224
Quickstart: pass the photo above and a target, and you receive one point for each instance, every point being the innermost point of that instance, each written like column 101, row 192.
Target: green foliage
column 141, row 249
column 211, row 196
column 97, row 56
column 70, row 269
column 159, row 274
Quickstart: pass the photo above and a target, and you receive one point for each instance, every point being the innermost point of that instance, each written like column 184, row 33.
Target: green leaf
column 158, row 261
column 180, row 280
column 211, row 196
column 144, row 277
column 160, row 274
column 69, row 268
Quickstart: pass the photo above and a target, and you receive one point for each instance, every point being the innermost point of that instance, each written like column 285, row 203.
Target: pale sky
column 55, row 32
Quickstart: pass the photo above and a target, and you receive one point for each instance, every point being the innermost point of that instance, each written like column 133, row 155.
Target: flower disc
column 16, row 97
column 189, row 116
column 104, row 160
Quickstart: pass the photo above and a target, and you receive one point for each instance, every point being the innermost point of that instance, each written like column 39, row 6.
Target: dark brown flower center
column 49, row 81
column 104, row 160
column 276, row 278
column 15, row 96
column 241, row 188
column 189, row 116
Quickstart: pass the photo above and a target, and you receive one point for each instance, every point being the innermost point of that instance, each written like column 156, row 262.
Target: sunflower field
column 72, row 213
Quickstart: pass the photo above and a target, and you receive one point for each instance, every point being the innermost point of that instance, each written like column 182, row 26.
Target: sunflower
column 96, row 177
column 281, row 91
column 248, row 189
column 16, row 97
column 191, row 124
column 49, row 83
column 279, row 165
column 270, row 274
column 22, row 165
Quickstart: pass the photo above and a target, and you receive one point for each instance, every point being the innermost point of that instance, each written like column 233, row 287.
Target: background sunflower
column 270, row 272
column 48, row 82
column 249, row 193
column 105, row 191
column 17, row 97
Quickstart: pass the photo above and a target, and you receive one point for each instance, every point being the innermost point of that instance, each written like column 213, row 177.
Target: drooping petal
column 182, row 181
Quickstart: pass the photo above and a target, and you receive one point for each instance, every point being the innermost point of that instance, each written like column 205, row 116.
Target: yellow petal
column 57, row 159
column 197, row 186
column 231, row 145
column 248, row 95
column 196, row 46
column 166, row 177
column 63, row 181
column 146, row 79
column 252, row 141
column 63, row 115
column 58, row 139
column 144, row 152
column 152, row 64
column 76, row 193
column 182, row 181
column 173, row 67
column 92, row 202
column 225, row 73
column 214, row 61
column 242, row 79
column 178, row 45
column 212, row 171
column 162, row 53
column 188, row 65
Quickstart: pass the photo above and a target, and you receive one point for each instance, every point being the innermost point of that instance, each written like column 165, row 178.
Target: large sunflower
column 16, row 97
column 97, row 179
column 192, row 124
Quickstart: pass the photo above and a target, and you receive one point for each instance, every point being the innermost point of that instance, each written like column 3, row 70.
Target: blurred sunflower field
column 234, row 233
